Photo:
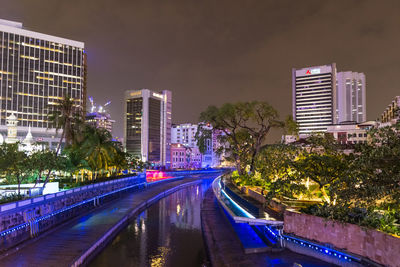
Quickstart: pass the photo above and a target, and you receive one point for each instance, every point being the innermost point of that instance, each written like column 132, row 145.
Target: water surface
column 166, row 234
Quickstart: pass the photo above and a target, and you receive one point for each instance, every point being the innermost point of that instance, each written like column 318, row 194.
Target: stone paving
column 65, row 244
column 224, row 248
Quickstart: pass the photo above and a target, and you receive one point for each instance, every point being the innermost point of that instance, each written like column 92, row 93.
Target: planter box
column 375, row 245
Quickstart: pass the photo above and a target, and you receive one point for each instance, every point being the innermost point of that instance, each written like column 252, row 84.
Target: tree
column 99, row 149
column 43, row 160
column 290, row 126
column 14, row 164
column 135, row 163
column 65, row 117
column 275, row 167
column 327, row 170
column 62, row 117
column 245, row 126
column 377, row 168
column 203, row 136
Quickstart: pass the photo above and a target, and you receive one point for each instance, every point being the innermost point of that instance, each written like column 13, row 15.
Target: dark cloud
column 211, row 52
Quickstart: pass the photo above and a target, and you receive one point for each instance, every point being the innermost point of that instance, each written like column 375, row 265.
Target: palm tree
column 63, row 118
column 99, row 149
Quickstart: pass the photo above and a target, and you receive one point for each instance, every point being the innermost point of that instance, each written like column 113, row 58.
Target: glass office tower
column 147, row 125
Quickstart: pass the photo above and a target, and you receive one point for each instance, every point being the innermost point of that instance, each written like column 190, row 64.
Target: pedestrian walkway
column 67, row 243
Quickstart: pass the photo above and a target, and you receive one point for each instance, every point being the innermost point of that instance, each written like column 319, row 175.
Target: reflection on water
column 166, row 234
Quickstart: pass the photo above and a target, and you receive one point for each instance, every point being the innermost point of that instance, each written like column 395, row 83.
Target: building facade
column 195, row 158
column 36, row 71
column 323, row 97
column 147, row 125
column 351, row 133
column 100, row 120
column 351, row 95
column 184, row 134
column 314, row 98
column 184, row 157
column 392, row 113
column 179, row 158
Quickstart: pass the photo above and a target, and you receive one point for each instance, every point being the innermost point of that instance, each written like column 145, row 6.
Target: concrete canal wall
column 375, row 245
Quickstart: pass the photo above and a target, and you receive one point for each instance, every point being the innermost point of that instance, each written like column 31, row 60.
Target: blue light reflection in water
column 166, row 234
column 169, row 234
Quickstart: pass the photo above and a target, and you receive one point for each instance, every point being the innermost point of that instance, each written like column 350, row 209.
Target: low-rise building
column 185, row 134
column 195, row 158
column 288, row 139
column 178, row 156
column 351, row 132
column 184, row 157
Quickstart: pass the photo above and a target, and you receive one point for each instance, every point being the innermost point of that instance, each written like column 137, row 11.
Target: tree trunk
column 57, row 151
column 253, row 157
column 19, row 186
column 38, row 178
column 327, row 198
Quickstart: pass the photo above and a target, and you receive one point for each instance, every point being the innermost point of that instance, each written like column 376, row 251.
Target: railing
column 24, row 231
column 29, row 229
column 275, row 229
column 242, row 214
column 39, row 200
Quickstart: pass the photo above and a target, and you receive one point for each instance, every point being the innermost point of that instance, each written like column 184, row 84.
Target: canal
column 169, row 233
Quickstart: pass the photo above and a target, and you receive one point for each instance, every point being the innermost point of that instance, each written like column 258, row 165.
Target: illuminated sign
column 158, row 95
column 313, row 71
column 136, row 93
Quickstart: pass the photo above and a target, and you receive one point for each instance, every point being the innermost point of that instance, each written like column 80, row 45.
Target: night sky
column 212, row 52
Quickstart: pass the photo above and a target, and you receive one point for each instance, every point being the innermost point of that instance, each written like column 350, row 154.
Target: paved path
column 224, row 248
column 63, row 246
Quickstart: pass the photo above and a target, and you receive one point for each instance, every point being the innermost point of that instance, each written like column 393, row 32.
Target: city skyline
column 217, row 53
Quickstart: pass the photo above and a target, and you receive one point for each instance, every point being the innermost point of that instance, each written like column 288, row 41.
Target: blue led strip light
column 301, row 242
column 321, row 249
column 15, row 228
column 234, row 203
column 24, row 225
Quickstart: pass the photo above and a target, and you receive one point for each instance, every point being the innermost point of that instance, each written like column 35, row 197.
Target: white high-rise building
column 147, row 125
column 314, row 97
column 351, row 103
column 322, row 97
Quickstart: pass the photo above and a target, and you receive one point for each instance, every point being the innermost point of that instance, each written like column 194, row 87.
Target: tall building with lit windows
column 314, row 98
column 36, row 71
column 351, row 104
column 322, row 97
column 147, row 125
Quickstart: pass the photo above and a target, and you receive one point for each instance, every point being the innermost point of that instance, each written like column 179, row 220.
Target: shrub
column 386, row 221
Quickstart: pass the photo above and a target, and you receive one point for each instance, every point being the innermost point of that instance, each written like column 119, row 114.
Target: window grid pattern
column 35, row 75
column 314, row 102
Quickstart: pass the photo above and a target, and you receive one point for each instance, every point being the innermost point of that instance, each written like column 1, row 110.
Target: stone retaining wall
column 375, row 245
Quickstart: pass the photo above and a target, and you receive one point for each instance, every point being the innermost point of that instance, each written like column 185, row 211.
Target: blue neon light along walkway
column 65, row 244
column 234, row 210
